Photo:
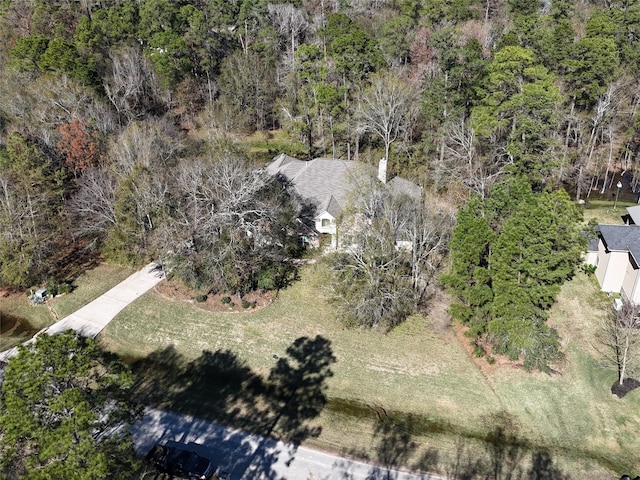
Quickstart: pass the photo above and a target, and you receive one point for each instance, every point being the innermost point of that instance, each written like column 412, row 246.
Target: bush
column 201, row 298
column 225, row 300
column 266, row 279
column 64, row 288
column 52, row 287
column 247, row 304
column 588, row 268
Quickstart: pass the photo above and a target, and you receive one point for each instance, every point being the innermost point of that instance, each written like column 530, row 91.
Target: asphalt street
column 246, row 456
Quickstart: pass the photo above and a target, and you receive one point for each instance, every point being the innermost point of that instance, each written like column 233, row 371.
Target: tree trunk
column 609, row 159
column 623, row 361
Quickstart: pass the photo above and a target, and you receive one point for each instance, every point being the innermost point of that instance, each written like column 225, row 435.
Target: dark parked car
column 180, row 463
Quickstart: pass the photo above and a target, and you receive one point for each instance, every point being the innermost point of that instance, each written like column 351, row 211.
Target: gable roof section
column 323, row 178
column 332, row 207
column 634, row 213
column 285, row 165
column 622, row 238
column 401, row 186
column 324, row 181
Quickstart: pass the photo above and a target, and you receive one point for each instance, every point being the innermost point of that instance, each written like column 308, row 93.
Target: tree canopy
column 112, row 114
column 511, row 252
column 66, row 408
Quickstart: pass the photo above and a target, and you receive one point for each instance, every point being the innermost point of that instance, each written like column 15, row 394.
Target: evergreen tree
column 30, row 207
column 519, row 112
column 64, row 404
column 511, row 253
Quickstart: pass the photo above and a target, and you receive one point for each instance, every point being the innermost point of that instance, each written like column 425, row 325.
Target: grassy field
column 603, row 211
column 413, row 397
column 19, row 320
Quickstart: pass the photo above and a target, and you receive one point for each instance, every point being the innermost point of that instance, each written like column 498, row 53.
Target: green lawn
column 411, row 397
column 603, row 212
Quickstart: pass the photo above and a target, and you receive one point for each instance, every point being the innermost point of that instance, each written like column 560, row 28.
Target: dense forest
column 122, row 126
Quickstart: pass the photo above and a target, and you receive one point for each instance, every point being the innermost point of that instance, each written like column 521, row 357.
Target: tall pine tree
column 511, row 253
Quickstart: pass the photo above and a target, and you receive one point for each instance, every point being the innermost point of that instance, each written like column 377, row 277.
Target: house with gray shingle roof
column 326, row 184
column 617, row 260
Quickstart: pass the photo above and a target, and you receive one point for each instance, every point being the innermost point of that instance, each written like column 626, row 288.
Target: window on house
column 326, row 222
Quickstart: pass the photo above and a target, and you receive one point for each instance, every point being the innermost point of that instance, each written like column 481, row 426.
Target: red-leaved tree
column 79, row 146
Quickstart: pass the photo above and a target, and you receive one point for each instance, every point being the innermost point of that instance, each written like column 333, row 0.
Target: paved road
column 251, row 457
column 93, row 317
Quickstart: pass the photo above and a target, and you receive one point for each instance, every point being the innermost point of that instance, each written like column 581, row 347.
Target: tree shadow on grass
column 506, row 456
column 220, row 387
column 297, row 387
column 396, row 448
column 500, row 454
column 628, row 385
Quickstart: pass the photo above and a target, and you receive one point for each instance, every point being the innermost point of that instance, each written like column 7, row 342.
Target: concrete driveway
column 93, row 317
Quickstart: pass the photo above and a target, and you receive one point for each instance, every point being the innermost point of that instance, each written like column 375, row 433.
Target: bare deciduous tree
column 290, row 22
column 92, row 206
column 226, row 224
column 40, row 105
column 392, row 249
column 132, row 86
column 430, row 229
column 152, row 145
column 387, row 108
column 459, row 161
column 619, row 334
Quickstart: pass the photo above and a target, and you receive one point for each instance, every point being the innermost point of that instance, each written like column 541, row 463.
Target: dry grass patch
column 602, row 211
column 19, row 320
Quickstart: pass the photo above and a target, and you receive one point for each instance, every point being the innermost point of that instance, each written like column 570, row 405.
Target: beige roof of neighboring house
column 634, row 213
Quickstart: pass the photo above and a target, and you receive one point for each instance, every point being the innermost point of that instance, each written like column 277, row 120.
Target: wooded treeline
column 116, row 116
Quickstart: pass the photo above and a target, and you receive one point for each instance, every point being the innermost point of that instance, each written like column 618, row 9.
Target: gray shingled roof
column 327, row 181
column 592, row 244
column 332, row 207
column 399, row 185
column 324, row 181
column 286, row 165
column 621, row 238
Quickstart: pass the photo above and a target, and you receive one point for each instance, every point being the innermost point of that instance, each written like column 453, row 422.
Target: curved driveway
column 94, row 316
